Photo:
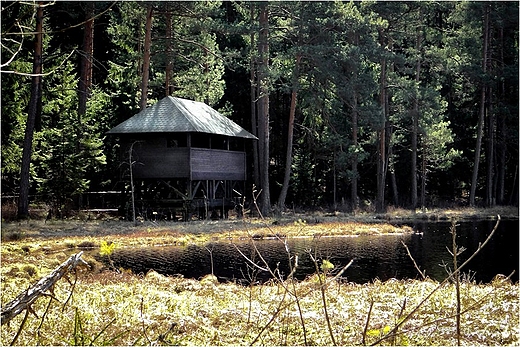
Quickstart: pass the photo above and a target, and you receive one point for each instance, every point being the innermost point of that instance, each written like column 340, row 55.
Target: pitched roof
column 180, row 115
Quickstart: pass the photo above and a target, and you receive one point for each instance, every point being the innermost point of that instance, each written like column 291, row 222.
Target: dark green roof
column 180, row 115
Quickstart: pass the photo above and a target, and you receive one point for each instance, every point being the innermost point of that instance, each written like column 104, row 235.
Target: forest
column 356, row 105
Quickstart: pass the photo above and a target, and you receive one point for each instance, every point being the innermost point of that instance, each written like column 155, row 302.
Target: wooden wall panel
column 155, row 160
column 214, row 164
column 161, row 162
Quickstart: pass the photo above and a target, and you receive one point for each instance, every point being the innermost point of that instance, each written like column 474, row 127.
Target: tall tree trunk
column 415, row 123
column 424, row 174
column 254, row 83
column 263, row 107
column 482, row 112
column 491, row 138
column 169, row 63
column 514, row 189
column 391, row 158
column 146, row 56
column 490, row 154
column 413, row 166
column 33, row 109
column 290, row 132
column 354, row 166
column 391, row 168
column 395, row 191
column 85, row 81
column 501, row 161
column 501, row 133
column 381, row 138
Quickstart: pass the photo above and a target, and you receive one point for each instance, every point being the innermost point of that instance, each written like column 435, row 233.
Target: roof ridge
column 176, row 101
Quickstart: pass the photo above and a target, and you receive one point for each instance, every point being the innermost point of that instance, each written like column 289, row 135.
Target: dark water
column 381, row 257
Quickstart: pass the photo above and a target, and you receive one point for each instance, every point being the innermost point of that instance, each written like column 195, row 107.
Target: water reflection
column 382, row 257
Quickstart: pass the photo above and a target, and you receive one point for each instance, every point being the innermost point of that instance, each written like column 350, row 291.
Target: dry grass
column 111, row 308
column 459, row 213
column 124, row 309
column 58, row 236
column 355, row 223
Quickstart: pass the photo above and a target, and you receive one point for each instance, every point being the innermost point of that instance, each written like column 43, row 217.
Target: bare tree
column 290, row 133
column 85, row 81
column 169, row 63
column 254, row 120
column 415, row 126
column 381, row 132
column 354, row 166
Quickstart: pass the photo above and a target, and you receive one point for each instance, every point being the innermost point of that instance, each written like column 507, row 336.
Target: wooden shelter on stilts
column 187, row 158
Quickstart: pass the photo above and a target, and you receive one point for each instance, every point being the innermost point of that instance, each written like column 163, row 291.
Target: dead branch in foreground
column 25, row 299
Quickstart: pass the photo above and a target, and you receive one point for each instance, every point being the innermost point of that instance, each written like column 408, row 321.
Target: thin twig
column 403, row 306
column 250, row 261
column 423, row 274
column 142, row 321
column 342, row 270
column 300, row 312
column 44, row 315
column 457, row 277
column 39, row 74
column 280, row 280
column 275, row 314
column 324, row 300
column 446, row 280
column 469, row 308
column 71, row 292
column 20, row 328
column 367, row 322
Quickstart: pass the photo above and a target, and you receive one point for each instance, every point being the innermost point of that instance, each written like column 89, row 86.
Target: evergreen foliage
column 408, row 77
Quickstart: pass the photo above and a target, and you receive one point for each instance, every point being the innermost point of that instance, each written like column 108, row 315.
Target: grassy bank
column 37, row 236
column 292, row 224
column 102, row 306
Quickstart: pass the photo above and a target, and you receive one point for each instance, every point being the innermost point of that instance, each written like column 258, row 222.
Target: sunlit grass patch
column 173, row 310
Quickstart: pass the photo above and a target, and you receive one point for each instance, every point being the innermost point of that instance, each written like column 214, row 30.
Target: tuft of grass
column 31, row 270
column 15, row 235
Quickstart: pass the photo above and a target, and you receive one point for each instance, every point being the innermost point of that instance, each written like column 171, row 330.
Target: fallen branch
column 25, row 299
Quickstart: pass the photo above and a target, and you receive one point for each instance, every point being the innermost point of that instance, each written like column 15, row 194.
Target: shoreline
column 314, row 224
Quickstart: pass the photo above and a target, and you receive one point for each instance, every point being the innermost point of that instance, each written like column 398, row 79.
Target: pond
column 374, row 257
